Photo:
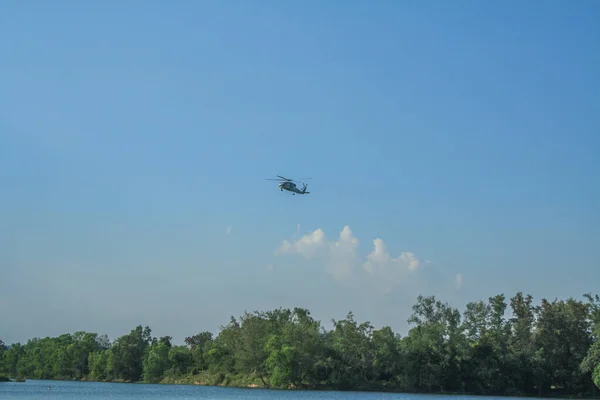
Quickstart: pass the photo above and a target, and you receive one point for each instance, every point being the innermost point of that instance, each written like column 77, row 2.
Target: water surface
column 74, row 390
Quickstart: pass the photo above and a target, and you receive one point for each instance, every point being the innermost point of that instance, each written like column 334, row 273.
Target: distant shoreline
column 479, row 352
column 187, row 382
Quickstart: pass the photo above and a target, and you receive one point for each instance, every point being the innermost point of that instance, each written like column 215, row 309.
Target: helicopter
column 289, row 185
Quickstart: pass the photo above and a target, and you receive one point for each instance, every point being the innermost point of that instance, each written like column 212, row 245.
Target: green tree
column 181, row 360
column 199, row 345
column 125, row 361
column 221, row 356
column 98, row 364
column 596, row 375
column 562, row 340
column 354, row 354
column 157, row 361
column 293, row 347
column 3, row 364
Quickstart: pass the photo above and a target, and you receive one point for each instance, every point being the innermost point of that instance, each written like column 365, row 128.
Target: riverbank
column 244, row 382
column 207, row 379
column 255, row 382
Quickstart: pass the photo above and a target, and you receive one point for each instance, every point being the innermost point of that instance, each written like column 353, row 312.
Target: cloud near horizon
column 458, row 281
column 341, row 259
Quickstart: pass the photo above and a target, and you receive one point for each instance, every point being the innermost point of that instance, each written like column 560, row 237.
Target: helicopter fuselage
column 291, row 187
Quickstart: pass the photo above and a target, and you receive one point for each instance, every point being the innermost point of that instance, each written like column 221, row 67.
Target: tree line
column 548, row 349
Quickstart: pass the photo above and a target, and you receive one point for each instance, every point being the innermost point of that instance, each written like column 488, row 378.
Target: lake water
column 69, row 390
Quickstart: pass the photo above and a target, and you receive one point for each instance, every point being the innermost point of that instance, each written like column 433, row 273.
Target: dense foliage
column 543, row 350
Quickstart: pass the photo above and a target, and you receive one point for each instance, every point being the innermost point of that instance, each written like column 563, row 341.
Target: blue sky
column 462, row 134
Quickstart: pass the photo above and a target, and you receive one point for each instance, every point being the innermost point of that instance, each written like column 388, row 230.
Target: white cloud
column 228, row 230
column 458, row 281
column 306, row 246
column 342, row 261
column 343, row 255
column 389, row 271
column 379, row 258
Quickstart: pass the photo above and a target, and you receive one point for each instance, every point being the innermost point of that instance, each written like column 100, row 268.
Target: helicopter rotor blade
column 284, row 179
column 302, row 180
